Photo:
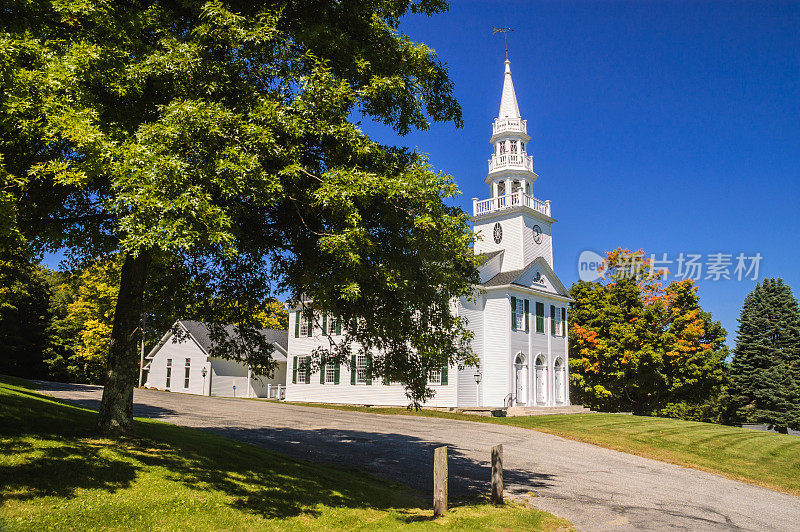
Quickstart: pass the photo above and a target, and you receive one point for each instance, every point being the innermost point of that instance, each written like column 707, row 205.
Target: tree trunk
column 116, row 409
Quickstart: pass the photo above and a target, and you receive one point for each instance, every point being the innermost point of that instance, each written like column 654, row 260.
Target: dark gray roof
column 200, row 332
column 504, row 278
column 486, row 257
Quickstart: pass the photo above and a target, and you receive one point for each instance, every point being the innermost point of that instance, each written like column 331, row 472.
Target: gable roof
column 483, row 258
column 512, row 276
column 201, row 335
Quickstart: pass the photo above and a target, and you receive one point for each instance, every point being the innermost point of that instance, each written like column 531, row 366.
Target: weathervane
column 504, row 31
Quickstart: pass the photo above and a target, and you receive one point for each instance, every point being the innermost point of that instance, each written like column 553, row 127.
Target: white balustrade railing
column 515, row 199
column 501, row 125
column 511, row 160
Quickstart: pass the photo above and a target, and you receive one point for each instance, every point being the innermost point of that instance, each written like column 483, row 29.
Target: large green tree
column 212, row 142
column 637, row 345
column 765, row 370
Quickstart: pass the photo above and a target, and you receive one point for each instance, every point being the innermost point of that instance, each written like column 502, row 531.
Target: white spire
column 508, row 102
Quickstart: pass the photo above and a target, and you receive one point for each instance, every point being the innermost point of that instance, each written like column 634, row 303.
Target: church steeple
column 508, row 102
column 510, row 168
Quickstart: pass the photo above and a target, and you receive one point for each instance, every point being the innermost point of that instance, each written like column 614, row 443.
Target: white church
column 519, row 317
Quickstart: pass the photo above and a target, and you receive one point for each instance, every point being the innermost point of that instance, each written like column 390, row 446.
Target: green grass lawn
column 55, row 474
column 763, row 458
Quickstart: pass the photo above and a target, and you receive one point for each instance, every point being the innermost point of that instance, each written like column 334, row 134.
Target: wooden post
column 497, row 474
column 439, row 481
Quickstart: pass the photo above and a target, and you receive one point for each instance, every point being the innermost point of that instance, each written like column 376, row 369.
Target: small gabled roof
column 483, row 258
column 201, row 335
column 512, row 276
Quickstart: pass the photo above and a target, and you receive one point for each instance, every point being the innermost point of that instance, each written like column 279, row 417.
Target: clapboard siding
column 497, row 318
column 178, row 352
column 375, row 394
column 532, row 250
column 511, row 243
column 472, row 311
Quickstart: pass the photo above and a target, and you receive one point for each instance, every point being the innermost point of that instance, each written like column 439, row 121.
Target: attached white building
column 185, row 365
column 518, row 318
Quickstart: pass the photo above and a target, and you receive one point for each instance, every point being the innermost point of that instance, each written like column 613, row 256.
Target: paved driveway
column 595, row 488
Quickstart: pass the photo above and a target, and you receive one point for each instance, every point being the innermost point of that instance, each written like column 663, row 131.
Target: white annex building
column 518, row 317
column 183, row 363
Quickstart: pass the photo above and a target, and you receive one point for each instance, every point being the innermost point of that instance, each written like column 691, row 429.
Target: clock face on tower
column 537, row 234
column 498, row 233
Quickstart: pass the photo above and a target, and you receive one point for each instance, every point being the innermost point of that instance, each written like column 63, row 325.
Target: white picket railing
column 515, row 199
column 502, row 125
column 511, row 160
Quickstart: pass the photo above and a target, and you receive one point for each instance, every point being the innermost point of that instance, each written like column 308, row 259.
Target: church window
column 513, row 146
column 502, row 147
column 554, row 321
column 330, row 373
column 187, row 368
column 522, row 147
column 527, row 188
column 361, row 369
column 169, row 372
column 515, row 186
column 435, row 377
column 563, row 321
column 540, row 317
column 501, row 188
column 519, row 314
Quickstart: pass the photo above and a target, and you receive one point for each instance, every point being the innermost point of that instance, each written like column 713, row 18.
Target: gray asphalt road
column 595, row 488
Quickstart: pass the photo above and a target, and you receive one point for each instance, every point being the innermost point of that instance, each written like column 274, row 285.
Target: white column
column 551, row 375
column 249, row 377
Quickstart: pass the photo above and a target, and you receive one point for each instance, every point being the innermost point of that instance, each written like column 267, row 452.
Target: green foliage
column 765, row 370
column 638, row 346
column 216, row 138
column 24, row 314
column 82, row 306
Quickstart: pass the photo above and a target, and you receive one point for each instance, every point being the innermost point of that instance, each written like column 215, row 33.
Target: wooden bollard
column 439, row 481
column 497, row 474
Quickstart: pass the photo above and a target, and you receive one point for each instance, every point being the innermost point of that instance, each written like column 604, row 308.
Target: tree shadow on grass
column 50, row 450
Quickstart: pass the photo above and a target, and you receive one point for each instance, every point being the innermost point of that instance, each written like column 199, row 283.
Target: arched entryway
column 560, row 371
column 541, row 380
column 521, row 379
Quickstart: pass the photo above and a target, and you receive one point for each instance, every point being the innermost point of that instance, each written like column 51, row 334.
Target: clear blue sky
column 668, row 126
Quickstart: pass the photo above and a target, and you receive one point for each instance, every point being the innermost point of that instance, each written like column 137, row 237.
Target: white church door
column 541, row 381
column 521, row 372
column 559, row 376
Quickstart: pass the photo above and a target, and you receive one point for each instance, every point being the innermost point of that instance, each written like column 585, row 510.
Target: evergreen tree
column 765, row 371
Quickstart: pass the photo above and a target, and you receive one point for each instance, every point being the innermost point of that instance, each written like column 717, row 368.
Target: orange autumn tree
column 638, row 345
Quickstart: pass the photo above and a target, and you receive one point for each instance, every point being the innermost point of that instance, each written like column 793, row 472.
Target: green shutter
column 325, row 323
column 297, row 324
column 527, row 311
column 336, row 373
column 338, row 325
column 539, row 317
column 308, row 370
column 294, row 371
column 322, row 373
column 353, row 370
column 513, row 313
column 553, row 320
column 369, row 367
column 563, row 321
column 444, row 375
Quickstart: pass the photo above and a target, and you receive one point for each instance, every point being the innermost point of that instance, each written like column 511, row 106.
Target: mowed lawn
column 763, row 458
column 55, row 474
